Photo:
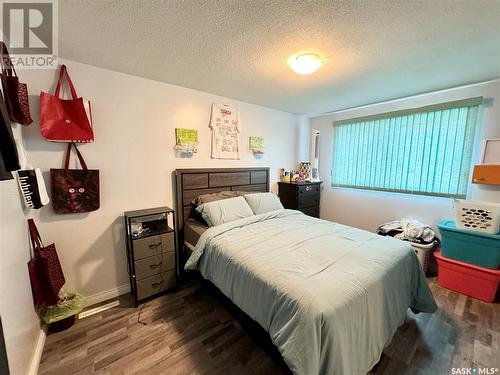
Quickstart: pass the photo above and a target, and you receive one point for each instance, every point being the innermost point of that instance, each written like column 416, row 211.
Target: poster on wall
column 225, row 125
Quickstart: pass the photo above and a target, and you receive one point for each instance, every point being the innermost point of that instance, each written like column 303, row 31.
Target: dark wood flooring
column 194, row 330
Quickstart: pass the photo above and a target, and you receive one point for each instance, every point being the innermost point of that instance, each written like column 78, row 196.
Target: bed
column 193, row 229
column 191, row 183
column 330, row 296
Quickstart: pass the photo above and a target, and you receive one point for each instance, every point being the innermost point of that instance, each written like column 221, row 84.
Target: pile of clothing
column 408, row 230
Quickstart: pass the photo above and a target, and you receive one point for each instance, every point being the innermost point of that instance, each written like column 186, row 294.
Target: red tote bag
column 45, row 271
column 65, row 120
column 15, row 93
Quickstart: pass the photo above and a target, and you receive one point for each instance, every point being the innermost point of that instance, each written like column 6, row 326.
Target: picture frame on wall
column 491, row 153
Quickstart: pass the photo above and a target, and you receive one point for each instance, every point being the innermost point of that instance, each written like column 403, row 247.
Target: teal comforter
column 330, row 296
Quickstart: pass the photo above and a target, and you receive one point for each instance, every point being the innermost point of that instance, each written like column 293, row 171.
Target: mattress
column 193, row 229
column 330, row 296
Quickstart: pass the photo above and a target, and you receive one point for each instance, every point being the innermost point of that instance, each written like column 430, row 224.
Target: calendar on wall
column 225, row 125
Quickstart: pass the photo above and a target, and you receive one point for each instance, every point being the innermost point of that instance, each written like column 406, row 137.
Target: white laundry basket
column 424, row 254
column 477, row 216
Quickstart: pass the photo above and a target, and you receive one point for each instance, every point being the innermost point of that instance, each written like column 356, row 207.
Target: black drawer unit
column 302, row 196
column 151, row 251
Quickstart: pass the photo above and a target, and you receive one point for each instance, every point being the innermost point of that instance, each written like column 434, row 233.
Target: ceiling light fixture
column 305, row 63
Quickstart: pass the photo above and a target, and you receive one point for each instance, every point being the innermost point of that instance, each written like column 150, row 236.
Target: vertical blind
column 424, row 150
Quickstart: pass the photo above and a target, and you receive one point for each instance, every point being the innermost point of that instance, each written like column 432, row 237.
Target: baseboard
column 106, row 295
column 37, row 353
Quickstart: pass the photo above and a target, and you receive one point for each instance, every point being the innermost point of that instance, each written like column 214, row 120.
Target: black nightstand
column 302, row 196
column 151, row 251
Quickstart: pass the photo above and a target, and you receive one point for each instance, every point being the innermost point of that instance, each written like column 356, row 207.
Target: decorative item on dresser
column 151, row 251
column 302, row 196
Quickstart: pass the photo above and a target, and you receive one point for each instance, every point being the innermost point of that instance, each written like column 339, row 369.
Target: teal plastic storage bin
column 481, row 249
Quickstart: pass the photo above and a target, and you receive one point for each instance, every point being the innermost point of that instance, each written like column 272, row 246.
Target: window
column 424, row 150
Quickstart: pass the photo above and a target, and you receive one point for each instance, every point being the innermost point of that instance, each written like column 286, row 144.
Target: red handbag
column 14, row 92
column 65, row 120
column 45, row 271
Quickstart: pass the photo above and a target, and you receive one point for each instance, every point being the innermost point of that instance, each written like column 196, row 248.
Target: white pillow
column 224, row 211
column 263, row 202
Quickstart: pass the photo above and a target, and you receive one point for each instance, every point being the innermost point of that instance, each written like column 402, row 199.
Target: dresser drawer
column 154, row 265
column 149, row 246
column 155, row 284
column 303, row 190
column 308, row 201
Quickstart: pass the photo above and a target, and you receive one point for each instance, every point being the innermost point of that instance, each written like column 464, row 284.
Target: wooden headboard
column 193, row 182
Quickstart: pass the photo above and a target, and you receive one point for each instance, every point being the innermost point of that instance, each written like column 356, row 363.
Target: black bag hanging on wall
column 32, row 188
column 9, row 160
column 74, row 190
column 30, row 181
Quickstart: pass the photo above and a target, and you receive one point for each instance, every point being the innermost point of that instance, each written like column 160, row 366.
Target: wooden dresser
column 302, row 196
column 151, row 251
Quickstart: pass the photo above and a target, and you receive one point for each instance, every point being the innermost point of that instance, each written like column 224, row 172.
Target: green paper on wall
column 256, row 143
column 186, row 135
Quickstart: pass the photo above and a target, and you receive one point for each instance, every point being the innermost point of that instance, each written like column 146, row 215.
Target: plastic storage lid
column 450, row 226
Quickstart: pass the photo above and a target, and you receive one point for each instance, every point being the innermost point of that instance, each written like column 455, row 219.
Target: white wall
column 20, row 323
column 368, row 209
column 134, row 121
column 303, row 138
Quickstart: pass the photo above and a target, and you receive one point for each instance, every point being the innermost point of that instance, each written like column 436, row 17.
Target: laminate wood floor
column 194, row 330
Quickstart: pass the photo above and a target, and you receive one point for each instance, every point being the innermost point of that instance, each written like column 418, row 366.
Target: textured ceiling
column 379, row 50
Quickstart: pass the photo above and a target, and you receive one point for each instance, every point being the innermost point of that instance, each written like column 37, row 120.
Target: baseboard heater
column 98, row 309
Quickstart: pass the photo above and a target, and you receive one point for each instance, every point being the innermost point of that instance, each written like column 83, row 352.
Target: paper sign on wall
column 256, row 144
column 186, row 135
column 186, row 140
